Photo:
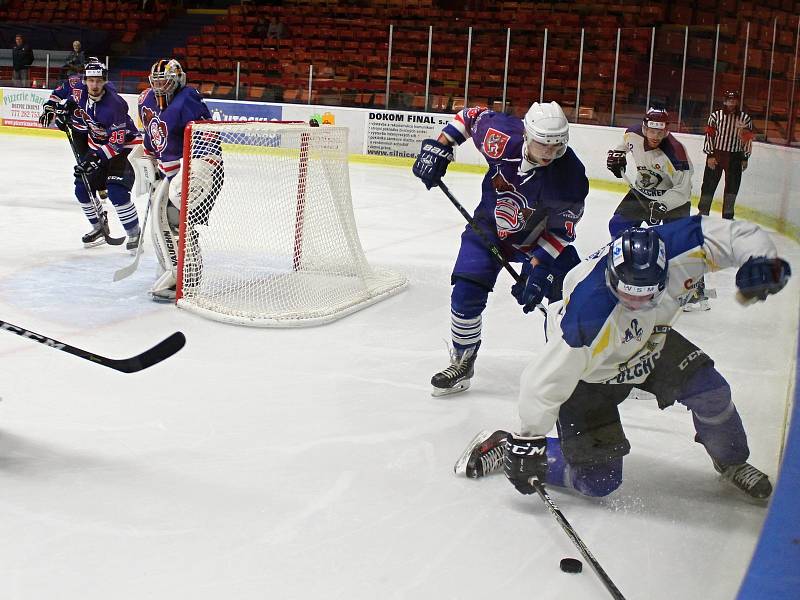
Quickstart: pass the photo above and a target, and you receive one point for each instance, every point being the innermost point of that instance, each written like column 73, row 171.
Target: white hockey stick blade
column 124, row 272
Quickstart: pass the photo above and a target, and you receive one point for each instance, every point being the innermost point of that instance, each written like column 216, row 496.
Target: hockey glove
column 761, row 276
column 90, row 163
column 616, row 162
column 432, row 162
column 526, row 458
column 48, row 114
column 533, row 286
column 658, row 211
column 64, row 112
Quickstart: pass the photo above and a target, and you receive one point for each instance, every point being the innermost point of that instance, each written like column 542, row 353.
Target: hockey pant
column 731, row 163
column 588, row 454
column 116, row 176
column 634, row 210
column 473, row 278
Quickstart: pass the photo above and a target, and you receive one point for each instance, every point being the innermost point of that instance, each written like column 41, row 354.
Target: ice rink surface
column 313, row 463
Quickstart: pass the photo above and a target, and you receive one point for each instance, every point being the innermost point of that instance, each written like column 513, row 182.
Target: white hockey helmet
column 166, row 78
column 545, row 126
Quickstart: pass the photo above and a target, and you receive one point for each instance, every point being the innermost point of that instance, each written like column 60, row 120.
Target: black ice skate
column 747, row 479
column 455, row 378
column 98, row 234
column 483, row 455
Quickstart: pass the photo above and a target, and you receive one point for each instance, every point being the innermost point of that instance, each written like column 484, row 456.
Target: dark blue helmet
column 636, row 268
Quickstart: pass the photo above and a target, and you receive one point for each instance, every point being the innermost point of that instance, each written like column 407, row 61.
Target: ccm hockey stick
column 101, row 213
column 164, row 349
column 562, row 520
column 494, row 250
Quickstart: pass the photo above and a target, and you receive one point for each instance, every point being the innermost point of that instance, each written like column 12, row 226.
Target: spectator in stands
column 276, row 29
column 22, row 59
column 75, row 61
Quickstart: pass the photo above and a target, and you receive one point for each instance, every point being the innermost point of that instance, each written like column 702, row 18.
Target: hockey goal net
column 267, row 233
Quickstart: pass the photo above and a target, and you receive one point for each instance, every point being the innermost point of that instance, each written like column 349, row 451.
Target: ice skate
column 747, row 479
column 483, row 455
column 132, row 245
column 98, row 234
column 455, row 378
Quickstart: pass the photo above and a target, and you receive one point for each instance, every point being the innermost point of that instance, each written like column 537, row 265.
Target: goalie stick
column 124, row 272
column 494, row 250
column 101, row 213
column 164, row 349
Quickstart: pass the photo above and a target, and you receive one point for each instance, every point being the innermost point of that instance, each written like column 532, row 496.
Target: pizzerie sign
column 21, row 107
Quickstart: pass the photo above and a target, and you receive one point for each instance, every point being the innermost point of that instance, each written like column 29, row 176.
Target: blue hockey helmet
column 636, row 268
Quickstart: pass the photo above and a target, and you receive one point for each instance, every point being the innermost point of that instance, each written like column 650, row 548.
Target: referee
column 728, row 143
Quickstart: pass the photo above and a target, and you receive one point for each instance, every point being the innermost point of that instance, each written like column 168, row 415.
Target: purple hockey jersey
column 108, row 125
column 535, row 209
column 163, row 129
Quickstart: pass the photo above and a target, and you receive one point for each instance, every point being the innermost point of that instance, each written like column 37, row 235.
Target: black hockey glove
column 432, row 162
column 616, row 162
column 761, row 276
column 90, row 163
column 64, row 112
column 657, row 212
column 48, row 114
column 526, row 457
column 533, row 286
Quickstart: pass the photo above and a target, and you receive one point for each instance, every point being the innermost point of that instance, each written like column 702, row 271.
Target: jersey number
column 570, row 227
column 117, row 137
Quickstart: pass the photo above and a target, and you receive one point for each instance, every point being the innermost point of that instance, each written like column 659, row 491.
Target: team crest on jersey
column 494, row 143
column 634, row 332
column 156, row 128
column 649, row 179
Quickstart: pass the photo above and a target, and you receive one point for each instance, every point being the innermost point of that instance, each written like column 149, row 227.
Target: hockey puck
column 571, row 565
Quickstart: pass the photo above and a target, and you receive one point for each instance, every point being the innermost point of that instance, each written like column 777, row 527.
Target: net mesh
column 269, row 236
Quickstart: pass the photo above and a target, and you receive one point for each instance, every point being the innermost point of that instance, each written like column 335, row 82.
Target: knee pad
column 117, row 193
column 81, row 193
column 707, row 393
column 468, row 298
column 596, row 480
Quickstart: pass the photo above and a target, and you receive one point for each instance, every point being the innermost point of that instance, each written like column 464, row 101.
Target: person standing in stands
column 22, row 59
column 75, row 60
column 728, row 144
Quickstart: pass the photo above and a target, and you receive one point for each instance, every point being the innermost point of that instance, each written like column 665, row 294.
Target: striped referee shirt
column 729, row 133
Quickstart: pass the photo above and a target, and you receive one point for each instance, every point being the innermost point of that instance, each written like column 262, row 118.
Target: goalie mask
column 636, row 268
column 546, row 134
column 166, row 78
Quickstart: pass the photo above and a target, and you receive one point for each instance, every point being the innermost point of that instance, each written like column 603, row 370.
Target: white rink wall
column 769, row 186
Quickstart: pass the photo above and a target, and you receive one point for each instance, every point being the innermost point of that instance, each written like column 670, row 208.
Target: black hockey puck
column 571, row 565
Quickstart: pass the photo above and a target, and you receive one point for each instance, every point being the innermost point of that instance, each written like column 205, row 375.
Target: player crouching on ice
column 614, row 332
column 532, row 197
column 103, row 134
column 165, row 109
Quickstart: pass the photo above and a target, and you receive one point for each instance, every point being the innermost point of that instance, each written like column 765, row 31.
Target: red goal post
column 267, row 233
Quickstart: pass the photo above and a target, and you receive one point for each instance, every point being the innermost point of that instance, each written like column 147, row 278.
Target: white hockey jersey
column 663, row 174
column 592, row 337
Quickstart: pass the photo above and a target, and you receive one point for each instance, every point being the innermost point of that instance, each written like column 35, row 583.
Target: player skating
column 103, row 134
column 165, row 108
column 614, row 332
column 532, row 199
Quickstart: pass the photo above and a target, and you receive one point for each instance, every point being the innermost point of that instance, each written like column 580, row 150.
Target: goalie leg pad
column 164, row 238
column 145, row 170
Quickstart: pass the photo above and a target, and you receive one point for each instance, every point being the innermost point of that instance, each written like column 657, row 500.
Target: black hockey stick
column 164, row 349
column 101, row 214
column 494, row 250
column 562, row 520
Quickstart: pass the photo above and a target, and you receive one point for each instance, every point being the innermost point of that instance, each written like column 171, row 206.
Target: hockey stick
column 164, row 349
column 494, row 250
column 101, row 214
column 124, row 272
column 562, row 520
column 643, row 200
